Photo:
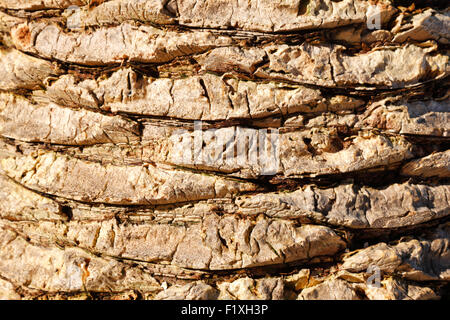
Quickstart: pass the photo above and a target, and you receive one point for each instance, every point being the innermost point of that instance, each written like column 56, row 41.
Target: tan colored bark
column 128, row 136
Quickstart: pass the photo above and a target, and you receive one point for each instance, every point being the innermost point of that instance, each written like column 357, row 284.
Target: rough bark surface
column 128, row 127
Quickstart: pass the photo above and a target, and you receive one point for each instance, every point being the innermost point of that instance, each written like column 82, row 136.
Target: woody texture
column 224, row 149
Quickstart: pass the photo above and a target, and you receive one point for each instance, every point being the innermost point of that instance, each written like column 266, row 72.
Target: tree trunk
column 208, row 149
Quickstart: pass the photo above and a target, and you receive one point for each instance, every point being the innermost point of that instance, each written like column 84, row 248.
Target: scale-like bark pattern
column 215, row 149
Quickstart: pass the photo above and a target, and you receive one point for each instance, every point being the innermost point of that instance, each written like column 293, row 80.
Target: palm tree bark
column 132, row 137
